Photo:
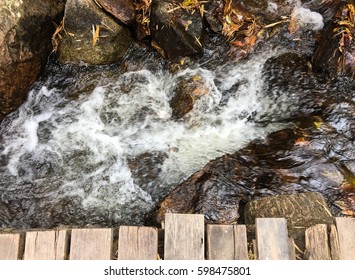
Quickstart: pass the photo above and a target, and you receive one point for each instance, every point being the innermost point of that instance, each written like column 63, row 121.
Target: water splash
column 69, row 161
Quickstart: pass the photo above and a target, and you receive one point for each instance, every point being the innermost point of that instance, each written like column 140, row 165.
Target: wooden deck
column 185, row 237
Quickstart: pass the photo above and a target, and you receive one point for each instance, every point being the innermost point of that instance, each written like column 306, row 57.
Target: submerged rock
column 25, row 43
column 186, row 93
column 123, row 10
column 145, row 169
column 176, row 29
column 91, row 36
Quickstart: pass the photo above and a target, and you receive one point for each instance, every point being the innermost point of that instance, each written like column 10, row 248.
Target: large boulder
column 176, row 28
column 92, row 36
column 25, row 43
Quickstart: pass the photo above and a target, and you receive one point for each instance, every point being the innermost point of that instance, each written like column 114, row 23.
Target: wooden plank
column 240, row 243
column 334, row 243
column 91, row 244
column 220, row 242
column 9, row 246
column 346, row 236
column 316, row 238
column 137, row 243
column 272, row 239
column 45, row 245
column 184, row 237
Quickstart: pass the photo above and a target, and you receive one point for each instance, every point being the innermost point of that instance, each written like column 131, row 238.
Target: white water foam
column 307, row 19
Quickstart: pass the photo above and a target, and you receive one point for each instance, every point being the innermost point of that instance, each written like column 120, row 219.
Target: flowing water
column 108, row 155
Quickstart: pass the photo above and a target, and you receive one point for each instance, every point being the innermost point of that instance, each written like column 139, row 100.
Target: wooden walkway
column 185, row 237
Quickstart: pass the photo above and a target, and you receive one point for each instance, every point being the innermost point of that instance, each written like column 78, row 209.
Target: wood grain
column 45, row 245
column 346, row 236
column 334, row 243
column 316, row 238
column 9, row 246
column 137, row 243
column 91, row 244
column 184, row 237
column 220, row 242
column 240, row 243
column 272, row 239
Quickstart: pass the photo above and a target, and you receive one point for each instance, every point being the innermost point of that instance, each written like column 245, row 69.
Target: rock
column 335, row 52
column 145, row 169
column 287, row 68
column 187, row 92
column 300, row 210
column 91, row 36
column 176, row 31
column 205, row 192
column 25, row 43
column 214, row 11
column 123, row 10
column 289, row 77
column 304, row 158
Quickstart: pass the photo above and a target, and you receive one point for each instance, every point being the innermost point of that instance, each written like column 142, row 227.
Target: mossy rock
column 91, row 36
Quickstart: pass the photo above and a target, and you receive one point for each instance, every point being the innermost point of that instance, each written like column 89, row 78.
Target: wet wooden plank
column 240, row 243
column 220, row 242
column 272, row 239
column 91, row 244
column 346, row 237
column 316, row 238
column 9, row 246
column 184, row 237
column 137, row 243
column 334, row 243
column 46, row 245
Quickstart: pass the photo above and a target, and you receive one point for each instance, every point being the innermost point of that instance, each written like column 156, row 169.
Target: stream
column 99, row 145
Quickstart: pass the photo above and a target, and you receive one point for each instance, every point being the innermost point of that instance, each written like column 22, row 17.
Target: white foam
column 307, row 19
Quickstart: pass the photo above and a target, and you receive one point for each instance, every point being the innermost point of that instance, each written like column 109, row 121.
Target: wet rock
column 187, row 92
column 145, row 169
column 214, row 11
column 123, row 10
column 335, row 52
column 286, row 68
column 176, row 30
column 143, row 9
column 25, row 43
column 300, row 210
column 289, row 77
column 91, row 36
column 301, row 159
column 204, row 193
